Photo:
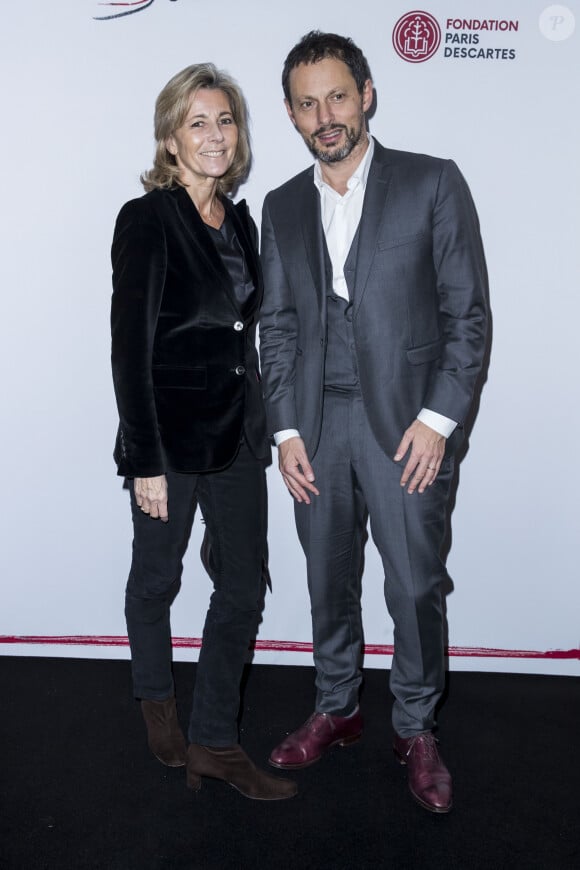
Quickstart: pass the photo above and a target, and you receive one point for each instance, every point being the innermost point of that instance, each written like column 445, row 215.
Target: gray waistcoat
column 341, row 369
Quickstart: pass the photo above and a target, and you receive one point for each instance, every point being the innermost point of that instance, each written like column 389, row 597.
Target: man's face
column 327, row 109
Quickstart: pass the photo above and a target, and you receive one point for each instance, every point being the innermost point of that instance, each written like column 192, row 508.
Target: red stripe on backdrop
column 289, row 646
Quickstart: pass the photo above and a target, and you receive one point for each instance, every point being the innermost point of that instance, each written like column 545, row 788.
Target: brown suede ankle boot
column 164, row 735
column 233, row 766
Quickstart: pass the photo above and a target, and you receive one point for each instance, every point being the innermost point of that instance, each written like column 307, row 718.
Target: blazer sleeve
column 462, row 293
column 278, row 332
column 139, row 259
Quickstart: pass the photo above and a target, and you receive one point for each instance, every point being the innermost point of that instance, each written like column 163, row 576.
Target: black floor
column 80, row 790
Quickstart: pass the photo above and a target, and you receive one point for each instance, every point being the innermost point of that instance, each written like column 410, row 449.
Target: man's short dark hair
column 316, row 46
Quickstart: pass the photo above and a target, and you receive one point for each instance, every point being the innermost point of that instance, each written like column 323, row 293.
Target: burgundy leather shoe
column 310, row 742
column 429, row 780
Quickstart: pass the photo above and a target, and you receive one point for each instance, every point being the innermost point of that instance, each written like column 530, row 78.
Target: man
column 372, row 335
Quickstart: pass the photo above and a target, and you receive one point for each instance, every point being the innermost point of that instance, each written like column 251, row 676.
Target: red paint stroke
column 289, row 646
column 133, row 3
column 139, row 4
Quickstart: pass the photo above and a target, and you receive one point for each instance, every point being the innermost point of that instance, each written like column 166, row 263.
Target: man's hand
column 427, row 451
column 151, row 496
column 296, row 469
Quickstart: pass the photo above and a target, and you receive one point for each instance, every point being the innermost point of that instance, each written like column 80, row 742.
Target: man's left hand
column 427, row 451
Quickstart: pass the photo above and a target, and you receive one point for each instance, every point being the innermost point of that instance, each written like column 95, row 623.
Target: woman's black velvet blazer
column 185, row 366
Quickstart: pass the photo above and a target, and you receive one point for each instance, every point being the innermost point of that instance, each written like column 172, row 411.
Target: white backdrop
column 77, row 105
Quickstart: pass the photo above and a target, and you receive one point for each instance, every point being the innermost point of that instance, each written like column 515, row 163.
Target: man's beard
column 353, row 137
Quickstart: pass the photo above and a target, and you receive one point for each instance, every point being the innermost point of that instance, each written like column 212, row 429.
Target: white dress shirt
column 340, row 218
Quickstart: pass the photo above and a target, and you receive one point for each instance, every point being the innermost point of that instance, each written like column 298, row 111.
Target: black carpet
column 80, row 790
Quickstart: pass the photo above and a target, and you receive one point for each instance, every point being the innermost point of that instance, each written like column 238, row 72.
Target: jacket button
column 240, row 370
column 238, row 325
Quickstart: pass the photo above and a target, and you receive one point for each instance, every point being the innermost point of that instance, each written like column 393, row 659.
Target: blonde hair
column 171, row 109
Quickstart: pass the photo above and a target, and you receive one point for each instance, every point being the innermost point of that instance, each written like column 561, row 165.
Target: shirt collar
column 360, row 174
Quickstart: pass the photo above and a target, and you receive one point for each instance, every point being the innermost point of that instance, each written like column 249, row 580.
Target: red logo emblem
column 416, row 36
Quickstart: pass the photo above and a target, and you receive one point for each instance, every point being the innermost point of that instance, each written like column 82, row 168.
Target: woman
column 186, row 294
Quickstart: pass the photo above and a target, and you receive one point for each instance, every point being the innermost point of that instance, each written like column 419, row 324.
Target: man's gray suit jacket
column 419, row 298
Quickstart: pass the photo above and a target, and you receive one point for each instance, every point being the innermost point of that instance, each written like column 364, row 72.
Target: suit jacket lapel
column 373, row 214
column 204, row 245
column 240, row 218
column 192, row 221
column 239, row 215
column 309, row 218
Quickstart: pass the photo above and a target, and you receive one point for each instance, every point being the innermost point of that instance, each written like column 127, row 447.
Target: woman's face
column 205, row 145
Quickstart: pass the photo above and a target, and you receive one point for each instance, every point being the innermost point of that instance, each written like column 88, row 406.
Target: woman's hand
column 151, row 496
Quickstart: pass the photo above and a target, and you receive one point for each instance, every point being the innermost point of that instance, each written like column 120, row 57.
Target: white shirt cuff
column 443, row 425
column 284, row 435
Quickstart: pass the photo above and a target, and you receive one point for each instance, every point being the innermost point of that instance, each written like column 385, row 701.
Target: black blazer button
column 240, row 370
column 238, row 325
